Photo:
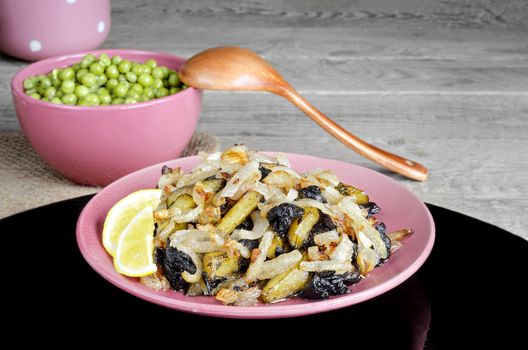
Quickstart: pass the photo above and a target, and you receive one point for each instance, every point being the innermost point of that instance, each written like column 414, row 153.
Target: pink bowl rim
column 225, row 311
column 18, row 78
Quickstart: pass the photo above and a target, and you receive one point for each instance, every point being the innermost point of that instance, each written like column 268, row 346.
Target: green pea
column 101, row 79
column 82, row 102
column 145, row 79
column 111, row 84
column 117, row 101
column 55, row 81
column 157, row 84
column 151, row 63
column 162, row 92
column 116, row 60
column 103, row 91
column 124, row 66
column 67, row 74
column 136, row 88
column 80, row 73
column 143, row 98
column 59, row 93
column 69, row 99
column 145, row 68
column 112, row 72
column 96, row 68
column 133, row 94
column 40, row 77
column 67, row 87
column 56, row 100
column 149, row 92
column 50, row 92
column 104, row 60
column 81, row 91
column 31, row 91
column 87, row 60
column 131, row 77
column 105, row 99
column 136, row 69
column 45, row 83
column 174, row 79
column 55, row 73
column 184, row 86
column 34, row 95
column 157, row 72
column 122, row 78
column 130, row 100
column 88, row 80
column 121, row 90
column 93, row 100
column 165, row 71
column 174, row 90
column 29, row 83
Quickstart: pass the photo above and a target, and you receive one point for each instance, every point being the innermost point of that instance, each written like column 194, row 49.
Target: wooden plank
column 331, row 42
column 415, row 29
column 177, row 32
column 302, row 13
column 405, row 75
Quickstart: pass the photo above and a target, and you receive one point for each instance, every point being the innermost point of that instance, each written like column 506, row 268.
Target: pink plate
column 400, row 209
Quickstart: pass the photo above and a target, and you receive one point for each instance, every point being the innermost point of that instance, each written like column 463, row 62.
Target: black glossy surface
column 470, row 293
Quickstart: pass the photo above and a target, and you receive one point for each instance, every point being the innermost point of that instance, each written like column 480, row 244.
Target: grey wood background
column 441, row 82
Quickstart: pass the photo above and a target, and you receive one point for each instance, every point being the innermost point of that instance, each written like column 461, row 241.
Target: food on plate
column 245, row 227
column 104, row 81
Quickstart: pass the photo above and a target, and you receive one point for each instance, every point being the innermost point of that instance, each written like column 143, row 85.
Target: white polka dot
column 100, row 26
column 35, row 45
column 71, row 1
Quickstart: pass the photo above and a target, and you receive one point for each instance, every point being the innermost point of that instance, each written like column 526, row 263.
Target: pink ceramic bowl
column 37, row 29
column 400, row 208
column 96, row 145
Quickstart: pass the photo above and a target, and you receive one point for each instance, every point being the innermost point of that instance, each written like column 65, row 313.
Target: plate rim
column 250, row 312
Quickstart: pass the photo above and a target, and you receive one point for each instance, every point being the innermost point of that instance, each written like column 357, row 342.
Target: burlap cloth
column 27, row 182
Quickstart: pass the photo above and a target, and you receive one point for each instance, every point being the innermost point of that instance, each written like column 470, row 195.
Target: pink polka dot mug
column 37, row 29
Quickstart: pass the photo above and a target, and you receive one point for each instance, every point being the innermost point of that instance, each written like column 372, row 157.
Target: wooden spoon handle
column 400, row 165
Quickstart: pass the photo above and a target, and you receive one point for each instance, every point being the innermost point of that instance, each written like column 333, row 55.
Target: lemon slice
column 120, row 215
column 134, row 251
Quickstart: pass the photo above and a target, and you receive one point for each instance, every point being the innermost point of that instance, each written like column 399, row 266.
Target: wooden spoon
column 236, row 68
